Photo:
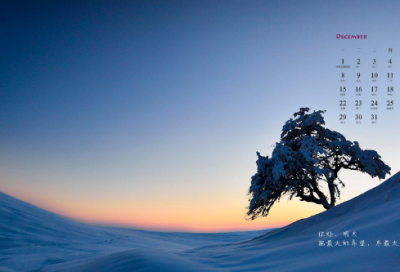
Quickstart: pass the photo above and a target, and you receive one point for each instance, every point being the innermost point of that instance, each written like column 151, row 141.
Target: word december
column 350, row 37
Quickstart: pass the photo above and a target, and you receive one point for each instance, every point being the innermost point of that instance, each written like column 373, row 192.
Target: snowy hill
column 370, row 217
column 35, row 239
column 32, row 239
column 373, row 216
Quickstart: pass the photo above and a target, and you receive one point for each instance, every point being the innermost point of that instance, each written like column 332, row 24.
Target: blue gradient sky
column 148, row 114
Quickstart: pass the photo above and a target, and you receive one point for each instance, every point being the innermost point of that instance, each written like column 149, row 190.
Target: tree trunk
column 311, row 198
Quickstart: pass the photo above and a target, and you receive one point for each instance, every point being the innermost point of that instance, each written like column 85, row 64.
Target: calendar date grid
column 366, row 87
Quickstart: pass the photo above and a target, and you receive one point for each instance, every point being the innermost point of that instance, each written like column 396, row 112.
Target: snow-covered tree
column 307, row 156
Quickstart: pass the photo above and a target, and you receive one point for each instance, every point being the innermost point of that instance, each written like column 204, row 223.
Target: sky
column 148, row 114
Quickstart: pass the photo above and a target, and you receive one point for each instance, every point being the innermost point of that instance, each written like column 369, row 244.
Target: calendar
column 366, row 84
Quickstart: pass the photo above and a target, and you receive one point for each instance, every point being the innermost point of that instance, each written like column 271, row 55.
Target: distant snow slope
column 371, row 217
column 32, row 239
